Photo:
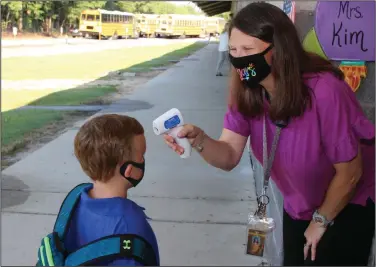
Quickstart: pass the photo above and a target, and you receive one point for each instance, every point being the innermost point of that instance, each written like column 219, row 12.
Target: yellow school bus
column 102, row 23
column 146, row 24
column 214, row 26
column 180, row 25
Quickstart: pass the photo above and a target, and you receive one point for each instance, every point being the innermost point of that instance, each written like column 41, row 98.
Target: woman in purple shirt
column 324, row 162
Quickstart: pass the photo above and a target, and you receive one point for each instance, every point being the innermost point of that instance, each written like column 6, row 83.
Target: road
column 44, row 47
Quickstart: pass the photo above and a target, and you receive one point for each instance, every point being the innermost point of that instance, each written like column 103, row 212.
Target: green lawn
column 12, row 99
column 165, row 59
column 17, row 124
column 93, row 64
column 74, row 96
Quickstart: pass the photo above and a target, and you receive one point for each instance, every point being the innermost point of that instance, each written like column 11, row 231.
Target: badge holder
column 259, row 227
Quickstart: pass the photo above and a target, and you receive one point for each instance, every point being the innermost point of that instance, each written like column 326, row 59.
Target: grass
column 12, row 99
column 17, row 124
column 73, row 97
column 165, row 59
column 93, row 64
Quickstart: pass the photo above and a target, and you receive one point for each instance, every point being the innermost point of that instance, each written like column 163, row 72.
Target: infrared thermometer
column 171, row 122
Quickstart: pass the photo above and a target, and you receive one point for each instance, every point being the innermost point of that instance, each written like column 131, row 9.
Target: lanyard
column 263, row 199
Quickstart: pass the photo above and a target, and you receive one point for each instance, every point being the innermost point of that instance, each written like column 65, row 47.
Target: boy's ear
column 127, row 171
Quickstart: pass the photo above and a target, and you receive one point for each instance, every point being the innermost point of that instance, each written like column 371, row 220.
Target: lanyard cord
column 263, row 199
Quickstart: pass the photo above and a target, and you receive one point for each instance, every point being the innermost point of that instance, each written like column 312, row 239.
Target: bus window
column 83, row 17
column 90, row 17
column 104, row 17
column 97, row 17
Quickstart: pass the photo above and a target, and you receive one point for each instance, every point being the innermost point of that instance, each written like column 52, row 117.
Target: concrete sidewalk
column 198, row 212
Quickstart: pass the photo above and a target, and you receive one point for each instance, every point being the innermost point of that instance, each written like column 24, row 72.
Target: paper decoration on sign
column 311, row 44
column 289, row 9
column 344, row 30
column 354, row 72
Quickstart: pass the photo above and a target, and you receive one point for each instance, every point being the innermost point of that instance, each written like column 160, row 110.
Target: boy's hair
column 104, row 142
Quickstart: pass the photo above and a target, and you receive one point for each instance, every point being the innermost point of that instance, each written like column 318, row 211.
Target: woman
column 324, row 162
column 222, row 49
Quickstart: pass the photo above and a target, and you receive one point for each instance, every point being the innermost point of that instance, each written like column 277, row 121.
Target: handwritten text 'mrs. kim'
column 341, row 35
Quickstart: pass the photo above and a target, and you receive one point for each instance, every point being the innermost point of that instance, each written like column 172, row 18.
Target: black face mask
column 140, row 166
column 252, row 69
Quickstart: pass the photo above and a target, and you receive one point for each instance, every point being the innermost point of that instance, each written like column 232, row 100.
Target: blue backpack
column 52, row 251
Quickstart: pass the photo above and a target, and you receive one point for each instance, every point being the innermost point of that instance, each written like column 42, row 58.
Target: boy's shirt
column 97, row 218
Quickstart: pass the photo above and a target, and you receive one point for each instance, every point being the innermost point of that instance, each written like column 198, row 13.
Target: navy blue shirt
column 97, row 218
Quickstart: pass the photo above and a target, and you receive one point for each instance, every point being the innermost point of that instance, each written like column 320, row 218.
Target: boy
column 110, row 149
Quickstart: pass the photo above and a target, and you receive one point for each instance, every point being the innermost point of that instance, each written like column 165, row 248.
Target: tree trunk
column 49, row 25
column 20, row 23
column 20, row 19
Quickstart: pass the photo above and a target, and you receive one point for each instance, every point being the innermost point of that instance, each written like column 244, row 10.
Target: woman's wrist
column 200, row 144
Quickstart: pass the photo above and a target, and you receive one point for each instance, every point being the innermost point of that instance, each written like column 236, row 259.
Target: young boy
column 110, row 149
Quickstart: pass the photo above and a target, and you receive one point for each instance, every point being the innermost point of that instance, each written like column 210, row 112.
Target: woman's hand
column 194, row 135
column 313, row 235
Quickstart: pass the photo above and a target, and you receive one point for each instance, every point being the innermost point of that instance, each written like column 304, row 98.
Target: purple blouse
column 326, row 134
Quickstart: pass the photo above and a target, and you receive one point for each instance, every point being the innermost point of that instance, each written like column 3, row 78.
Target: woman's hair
column 289, row 62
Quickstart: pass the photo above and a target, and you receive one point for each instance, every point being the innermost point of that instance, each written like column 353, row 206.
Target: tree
column 46, row 15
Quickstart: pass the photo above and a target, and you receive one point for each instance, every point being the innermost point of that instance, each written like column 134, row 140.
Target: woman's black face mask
column 252, row 69
column 140, row 166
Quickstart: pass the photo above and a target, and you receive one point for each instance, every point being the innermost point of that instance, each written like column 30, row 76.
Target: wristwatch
column 321, row 219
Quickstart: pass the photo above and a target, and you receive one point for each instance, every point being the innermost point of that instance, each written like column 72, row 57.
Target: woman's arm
column 339, row 194
column 224, row 153
column 342, row 187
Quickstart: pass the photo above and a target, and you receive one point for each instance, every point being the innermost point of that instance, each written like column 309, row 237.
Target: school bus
column 214, row 25
column 180, row 25
column 105, row 24
column 146, row 25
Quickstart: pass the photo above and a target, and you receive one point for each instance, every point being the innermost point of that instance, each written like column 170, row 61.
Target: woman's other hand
column 313, row 235
column 193, row 133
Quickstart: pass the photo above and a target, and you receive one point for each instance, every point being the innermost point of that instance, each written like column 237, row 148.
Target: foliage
column 43, row 16
column 225, row 15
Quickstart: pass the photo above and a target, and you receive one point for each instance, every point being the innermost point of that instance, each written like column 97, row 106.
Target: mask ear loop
column 140, row 166
column 267, row 49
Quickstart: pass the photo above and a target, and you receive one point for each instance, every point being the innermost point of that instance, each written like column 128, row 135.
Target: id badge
column 255, row 242
column 258, row 230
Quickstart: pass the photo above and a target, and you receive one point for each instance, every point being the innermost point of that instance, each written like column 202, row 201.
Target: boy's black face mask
column 140, row 166
column 252, row 69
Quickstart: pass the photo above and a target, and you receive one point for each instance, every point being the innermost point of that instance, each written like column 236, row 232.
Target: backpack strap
column 66, row 209
column 114, row 246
